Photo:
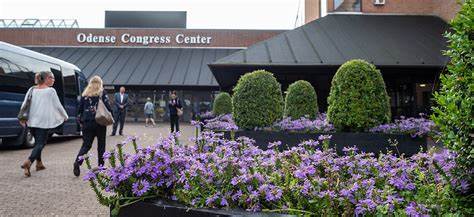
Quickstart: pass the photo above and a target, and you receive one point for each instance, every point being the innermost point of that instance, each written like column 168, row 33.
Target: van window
column 70, row 85
column 17, row 71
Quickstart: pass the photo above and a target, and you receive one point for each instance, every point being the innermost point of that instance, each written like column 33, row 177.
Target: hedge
column 257, row 100
column 358, row 99
column 222, row 104
column 454, row 111
column 301, row 100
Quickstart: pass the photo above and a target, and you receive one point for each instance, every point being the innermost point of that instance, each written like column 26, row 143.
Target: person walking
column 175, row 109
column 90, row 128
column 120, row 111
column 149, row 111
column 45, row 112
column 195, row 108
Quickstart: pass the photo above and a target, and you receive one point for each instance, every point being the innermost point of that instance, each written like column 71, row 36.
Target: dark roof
column 143, row 66
column 385, row 40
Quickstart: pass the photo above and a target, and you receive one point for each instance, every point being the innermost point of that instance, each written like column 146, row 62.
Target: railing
column 38, row 23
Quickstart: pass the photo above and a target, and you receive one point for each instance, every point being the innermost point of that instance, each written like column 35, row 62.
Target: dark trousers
column 41, row 136
column 90, row 130
column 119, row 117
column 174, row 120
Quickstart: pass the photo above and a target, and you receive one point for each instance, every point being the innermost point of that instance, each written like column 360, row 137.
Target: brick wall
column 68, row 37
column 399, row 6
column 311, row 10
column 446, row 9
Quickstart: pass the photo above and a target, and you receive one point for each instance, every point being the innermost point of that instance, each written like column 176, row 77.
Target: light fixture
column 422, row 85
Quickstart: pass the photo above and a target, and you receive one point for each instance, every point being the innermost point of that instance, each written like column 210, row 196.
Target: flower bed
column 410, row 134
column 218, row 173
column 319, row 125
column 416, row 127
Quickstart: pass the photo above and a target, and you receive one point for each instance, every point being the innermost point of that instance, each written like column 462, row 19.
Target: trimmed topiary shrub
column 222, row 104
column 358, row 99
column 301, row 100
column 454, row 111
column 257, row 100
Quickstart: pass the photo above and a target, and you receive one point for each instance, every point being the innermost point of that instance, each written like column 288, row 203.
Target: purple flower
column 196, row 123
column 224, row 202
column 274, row 144
column 304, row 124
column 416, row 127
column 324, row 137
column 210, row 200
column 221, row 123
column 416, row 210
column 141, row 187
column 107, row 155
column 89, row 176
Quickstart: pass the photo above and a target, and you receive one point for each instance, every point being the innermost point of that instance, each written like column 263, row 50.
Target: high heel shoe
column 26, row 166
column 39, row 166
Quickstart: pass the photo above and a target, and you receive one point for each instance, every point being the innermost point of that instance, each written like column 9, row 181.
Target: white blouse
column 46, row 111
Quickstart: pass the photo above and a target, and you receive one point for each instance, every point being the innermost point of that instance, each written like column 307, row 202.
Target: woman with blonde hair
column 44, row 112
column 90, row 128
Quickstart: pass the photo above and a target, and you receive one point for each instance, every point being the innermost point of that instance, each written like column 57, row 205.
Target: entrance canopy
column 321, row 46
column 154, row 67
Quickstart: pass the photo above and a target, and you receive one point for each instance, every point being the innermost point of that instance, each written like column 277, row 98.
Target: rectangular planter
column 367, row 142
column 173, row 209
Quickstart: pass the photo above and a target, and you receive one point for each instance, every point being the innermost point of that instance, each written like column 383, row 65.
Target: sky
column 201, row 14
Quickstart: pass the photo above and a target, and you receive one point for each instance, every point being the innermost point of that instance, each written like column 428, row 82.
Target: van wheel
column 29, row 140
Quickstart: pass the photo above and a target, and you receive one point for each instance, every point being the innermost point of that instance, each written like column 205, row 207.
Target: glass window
column 17, row 71
column 347, row 5
column 70, row 85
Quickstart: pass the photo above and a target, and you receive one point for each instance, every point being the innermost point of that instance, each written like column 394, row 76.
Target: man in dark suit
column 120, row 110
column 175, row 109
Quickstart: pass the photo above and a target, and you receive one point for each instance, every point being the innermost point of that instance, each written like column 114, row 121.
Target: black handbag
column 25, row 108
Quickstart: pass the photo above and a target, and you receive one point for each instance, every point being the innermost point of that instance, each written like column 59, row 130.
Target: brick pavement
column 56, row 191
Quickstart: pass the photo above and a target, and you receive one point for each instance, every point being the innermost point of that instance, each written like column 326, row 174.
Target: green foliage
column 358, row 99
column 453, row 113
column 301, row 100
column 222, row 104
column 257, row 100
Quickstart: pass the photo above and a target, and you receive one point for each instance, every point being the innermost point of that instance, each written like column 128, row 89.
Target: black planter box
column 173, row 209
column 367, row 142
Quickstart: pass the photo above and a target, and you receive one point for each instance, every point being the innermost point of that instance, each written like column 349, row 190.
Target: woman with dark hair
column 45, row 112
column 175, row 109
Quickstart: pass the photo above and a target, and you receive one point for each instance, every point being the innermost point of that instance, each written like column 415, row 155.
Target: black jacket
column 88, row 106
column 173, row 106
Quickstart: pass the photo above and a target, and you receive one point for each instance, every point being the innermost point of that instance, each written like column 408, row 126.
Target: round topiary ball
column 358, row 99
column 257, row 100
column 301, row 100
column 222, row 104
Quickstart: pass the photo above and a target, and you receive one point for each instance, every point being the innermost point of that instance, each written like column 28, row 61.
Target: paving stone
column 56, row 191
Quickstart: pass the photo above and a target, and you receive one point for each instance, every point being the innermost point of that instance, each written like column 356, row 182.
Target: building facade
column 445, row 9
column 148, row 62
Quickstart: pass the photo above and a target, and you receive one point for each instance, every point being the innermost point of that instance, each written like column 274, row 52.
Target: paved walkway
column 56, row 191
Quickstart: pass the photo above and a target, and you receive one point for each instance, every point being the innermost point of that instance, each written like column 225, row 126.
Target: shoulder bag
column 25, row 108
column 102, row 115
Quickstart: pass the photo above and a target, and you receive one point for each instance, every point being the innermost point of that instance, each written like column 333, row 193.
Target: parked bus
column 17, row 68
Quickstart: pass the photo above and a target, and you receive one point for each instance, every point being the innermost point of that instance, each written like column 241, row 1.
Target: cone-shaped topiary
column 358, row 99
column 257, row 100
column 301, row 100
column 222, row 104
